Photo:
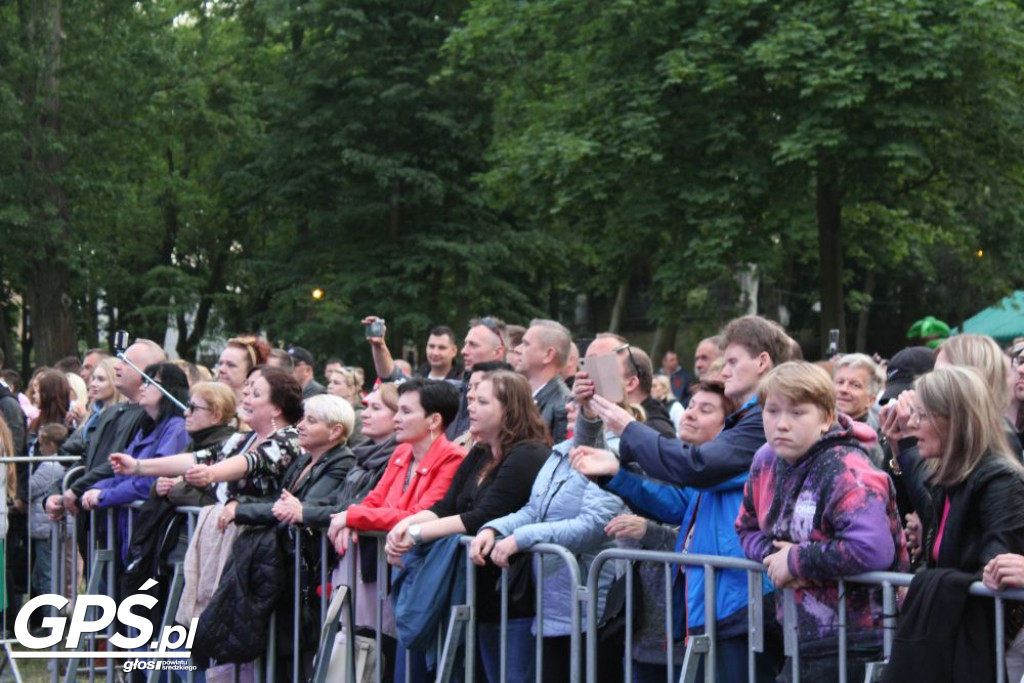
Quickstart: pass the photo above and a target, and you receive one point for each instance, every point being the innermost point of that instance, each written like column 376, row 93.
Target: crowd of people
column 816, row 470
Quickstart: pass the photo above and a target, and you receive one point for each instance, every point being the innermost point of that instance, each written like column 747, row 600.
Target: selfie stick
column 120, row 344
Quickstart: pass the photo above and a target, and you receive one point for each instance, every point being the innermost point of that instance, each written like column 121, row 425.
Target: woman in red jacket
column 421, row 469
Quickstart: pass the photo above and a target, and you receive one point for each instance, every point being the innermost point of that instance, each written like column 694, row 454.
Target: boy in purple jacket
column 814, row 509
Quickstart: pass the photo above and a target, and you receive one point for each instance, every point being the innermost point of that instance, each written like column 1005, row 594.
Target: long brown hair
column 54, row 399
column 521, row 419
column 974, row 426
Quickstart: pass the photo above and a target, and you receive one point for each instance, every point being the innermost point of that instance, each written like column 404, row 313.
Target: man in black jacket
column 637, row 377
column 115, row 429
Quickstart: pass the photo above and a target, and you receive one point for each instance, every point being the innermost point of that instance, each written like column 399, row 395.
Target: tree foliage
column 207, row 165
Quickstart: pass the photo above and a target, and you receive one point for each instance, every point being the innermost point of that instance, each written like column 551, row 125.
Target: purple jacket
column 840, row 511
column 167, row 438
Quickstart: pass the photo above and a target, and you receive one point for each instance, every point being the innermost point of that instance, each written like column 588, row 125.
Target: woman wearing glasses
column 209, row 421
column 252, row 461
column 966, row 484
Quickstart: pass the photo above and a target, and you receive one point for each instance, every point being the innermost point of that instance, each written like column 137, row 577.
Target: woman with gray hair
column 318, row 471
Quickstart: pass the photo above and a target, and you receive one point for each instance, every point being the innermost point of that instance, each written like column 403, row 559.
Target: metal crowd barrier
column 462, row 622
column 703, row 646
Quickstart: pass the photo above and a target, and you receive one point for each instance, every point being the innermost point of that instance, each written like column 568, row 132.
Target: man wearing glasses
column 114, row 430
column 637, row 377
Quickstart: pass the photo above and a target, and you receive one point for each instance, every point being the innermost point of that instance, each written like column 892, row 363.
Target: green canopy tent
column 1003, row 322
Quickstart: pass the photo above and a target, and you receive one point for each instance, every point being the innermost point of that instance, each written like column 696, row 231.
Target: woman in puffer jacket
column 567, row 509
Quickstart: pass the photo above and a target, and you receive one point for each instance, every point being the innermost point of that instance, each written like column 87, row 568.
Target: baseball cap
column 301, row 355
column 903, row 368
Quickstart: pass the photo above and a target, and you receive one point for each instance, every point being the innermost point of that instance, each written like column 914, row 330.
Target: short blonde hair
column 982, row 354
column 220, row 397
column 350, row 377
column 332, row 410
column 974, row 422
column 800, row 382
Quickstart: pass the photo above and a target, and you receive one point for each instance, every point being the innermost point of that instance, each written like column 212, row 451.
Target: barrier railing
column 700, row 649
column 703, row 647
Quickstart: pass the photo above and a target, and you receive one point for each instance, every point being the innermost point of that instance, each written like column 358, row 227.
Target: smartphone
column 604, row 371
column 833, row 342
column 120, row 340
column 375, row 329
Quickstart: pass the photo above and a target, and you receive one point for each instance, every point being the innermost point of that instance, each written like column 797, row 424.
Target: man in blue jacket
column 753, row 346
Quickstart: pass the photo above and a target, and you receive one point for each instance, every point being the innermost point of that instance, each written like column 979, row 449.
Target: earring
column 273, row 424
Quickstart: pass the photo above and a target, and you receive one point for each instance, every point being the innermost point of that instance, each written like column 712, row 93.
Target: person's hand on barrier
column 288, row 509
column 504, row 550
column 913, row 533
column 55, row 507
column 164, row 485
column 778, row 565
column 339, row 520
column 122, row 463
column 344, row 538
column 227, row 515
column 91, row 499
column 1004, row 571
column 199, row 476
column 398, row 543
column 614, row 416
column 593, row 462
column 20, row 506
column 71, row 502
column 582, row 391
column 480, row 547
column 627, row 526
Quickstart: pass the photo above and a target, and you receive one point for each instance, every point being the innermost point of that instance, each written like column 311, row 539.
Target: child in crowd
column 815, row 509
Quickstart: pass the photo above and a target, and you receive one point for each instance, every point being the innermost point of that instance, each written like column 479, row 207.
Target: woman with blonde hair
column 983, row 355
column 343, row 383
column 966, row 484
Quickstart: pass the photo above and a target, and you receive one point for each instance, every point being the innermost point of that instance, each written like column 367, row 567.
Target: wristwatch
column 416, row 534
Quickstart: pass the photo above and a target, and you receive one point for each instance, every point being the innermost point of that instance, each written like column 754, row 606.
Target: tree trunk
column 619, row 306
column 864, row 316
column 48, row 278
column 664, row 340
column 830, row 251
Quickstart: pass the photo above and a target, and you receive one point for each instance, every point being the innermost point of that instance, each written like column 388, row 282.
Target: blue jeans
column 520, row 652
column 653, row 673
column 42, row 569
column 418, row 671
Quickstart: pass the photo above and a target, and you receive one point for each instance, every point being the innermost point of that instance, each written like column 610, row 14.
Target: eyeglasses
column 494, row 326
column 632, row 361
column 192, row 407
